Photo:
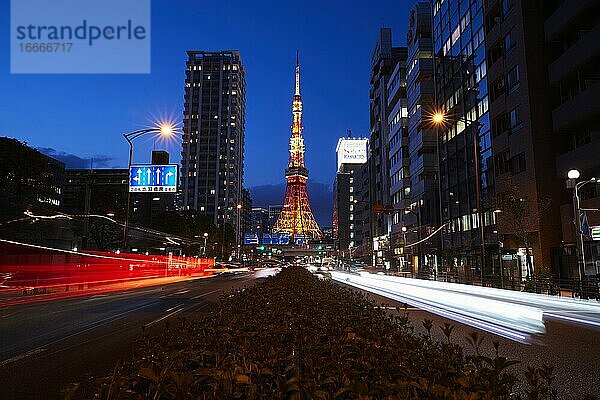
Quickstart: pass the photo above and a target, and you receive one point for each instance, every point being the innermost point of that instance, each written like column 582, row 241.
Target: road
column 45, row 346
column 573, row 349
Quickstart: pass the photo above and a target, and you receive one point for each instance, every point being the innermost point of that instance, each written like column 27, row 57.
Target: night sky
column 85, row 115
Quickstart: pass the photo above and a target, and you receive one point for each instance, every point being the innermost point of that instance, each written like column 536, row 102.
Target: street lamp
column 418, row 215
column 239, row 230
column 439, row 118
column 205, row 238
column 573, row 175
column 165, row 130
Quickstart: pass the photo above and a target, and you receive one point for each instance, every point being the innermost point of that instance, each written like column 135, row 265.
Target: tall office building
column 260, row 221
column 213, row 134
column 466, row 170
column 363, row 213
column 399, row 161
column 414, row 181
column 351, row 155
column 384, row 59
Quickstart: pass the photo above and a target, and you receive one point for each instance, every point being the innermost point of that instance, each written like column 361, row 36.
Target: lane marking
column 87, row 328
column 104, row 322
column 22, row 356
column 205, row 294
column 174, row 307
column 163, row 317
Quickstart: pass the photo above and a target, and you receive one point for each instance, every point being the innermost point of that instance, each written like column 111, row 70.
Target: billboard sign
column 352, row 151
column 153, row 178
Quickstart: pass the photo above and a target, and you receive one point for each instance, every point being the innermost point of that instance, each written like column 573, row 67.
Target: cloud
column 320, row 195
column 75, row 162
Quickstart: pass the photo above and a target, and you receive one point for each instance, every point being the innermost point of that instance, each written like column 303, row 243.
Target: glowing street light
column 164, row 130
column 573, row 174
column 438, row 118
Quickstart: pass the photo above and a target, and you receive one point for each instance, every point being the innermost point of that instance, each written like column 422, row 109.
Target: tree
column 191, row 226
column 105, row 234
column 25, row 178
column 521, row 216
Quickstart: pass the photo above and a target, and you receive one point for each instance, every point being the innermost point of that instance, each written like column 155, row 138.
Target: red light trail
column 31, row 273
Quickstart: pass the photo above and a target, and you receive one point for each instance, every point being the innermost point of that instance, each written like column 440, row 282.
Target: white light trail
column 515, row 315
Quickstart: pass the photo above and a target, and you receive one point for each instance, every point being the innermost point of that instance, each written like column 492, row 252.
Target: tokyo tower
column 296, row 217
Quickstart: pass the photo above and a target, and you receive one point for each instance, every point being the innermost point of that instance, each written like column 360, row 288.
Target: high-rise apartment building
column 384, row 59
column 527, row 190
column 414, row 182
column 398, row 156
column 213, row 135
column 572, row 31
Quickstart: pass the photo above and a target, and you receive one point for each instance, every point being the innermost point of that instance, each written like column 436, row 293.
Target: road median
column 296, row 336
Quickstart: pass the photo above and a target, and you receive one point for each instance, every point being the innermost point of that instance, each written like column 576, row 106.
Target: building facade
column 399, row 159
column 384, row 59
column 415, row 185
column 466, row 168
column 212, row 163
column 352, row 153
column 572, row 31
column 260, row 221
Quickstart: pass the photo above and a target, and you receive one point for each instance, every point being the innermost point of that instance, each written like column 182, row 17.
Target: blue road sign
column 276, row 238
column 251, row 238
column 153, row 178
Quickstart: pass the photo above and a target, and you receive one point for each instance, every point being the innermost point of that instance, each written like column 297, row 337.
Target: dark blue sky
column 85, row 115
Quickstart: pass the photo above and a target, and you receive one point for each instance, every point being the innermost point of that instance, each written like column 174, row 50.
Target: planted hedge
column 295, row 336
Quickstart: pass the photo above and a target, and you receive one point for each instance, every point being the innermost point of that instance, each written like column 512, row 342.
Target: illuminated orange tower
column 296, row 217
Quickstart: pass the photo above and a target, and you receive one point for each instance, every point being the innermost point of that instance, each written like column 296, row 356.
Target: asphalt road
column 573, row 350
column 45, row 346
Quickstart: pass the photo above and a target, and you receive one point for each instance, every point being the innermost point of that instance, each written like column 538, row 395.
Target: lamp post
column 205, row 238
column 239, row 230
column 418, row 215
column 403, row 245
column 164, row 130
column 438, row 119
column 573, row 175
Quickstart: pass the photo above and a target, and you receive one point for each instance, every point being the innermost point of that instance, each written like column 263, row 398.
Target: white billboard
column 352, row 151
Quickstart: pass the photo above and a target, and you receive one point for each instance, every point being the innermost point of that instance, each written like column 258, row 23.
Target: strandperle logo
column 85, row 31
column 80, row 36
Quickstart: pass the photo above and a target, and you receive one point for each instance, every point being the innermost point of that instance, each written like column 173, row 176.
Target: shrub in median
column 295, row 336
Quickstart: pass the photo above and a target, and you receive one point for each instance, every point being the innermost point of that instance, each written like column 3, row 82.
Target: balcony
column 564, row 16
column 577, row 110
column 427, row 161
column 420, row 139
column 579, row 54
